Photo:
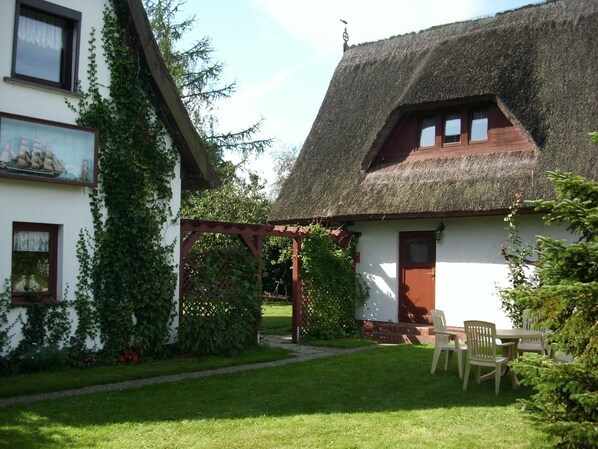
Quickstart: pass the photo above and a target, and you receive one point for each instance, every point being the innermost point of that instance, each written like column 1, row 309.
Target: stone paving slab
column 300, row 352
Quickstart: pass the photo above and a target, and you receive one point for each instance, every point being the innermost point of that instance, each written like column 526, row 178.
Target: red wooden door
column 417, row 265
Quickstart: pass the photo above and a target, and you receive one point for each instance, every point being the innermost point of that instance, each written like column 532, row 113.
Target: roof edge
column 197, row 172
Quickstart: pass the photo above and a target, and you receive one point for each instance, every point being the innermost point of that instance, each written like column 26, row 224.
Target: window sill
column 25, row 301
column 20, row 82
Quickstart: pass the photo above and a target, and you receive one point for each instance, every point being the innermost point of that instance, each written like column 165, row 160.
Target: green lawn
column 83, row 377
column 377, row 398
column 276, row 318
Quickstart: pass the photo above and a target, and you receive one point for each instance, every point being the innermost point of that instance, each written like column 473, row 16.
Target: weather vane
column 345, row 36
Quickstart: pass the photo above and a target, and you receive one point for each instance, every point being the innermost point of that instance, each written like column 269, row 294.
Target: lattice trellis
column 201, row 297
column 306, row 315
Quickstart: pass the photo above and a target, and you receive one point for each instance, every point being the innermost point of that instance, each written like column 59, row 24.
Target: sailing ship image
column 31, row 160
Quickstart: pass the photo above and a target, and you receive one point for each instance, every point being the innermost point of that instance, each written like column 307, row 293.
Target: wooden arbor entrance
column 252, row 236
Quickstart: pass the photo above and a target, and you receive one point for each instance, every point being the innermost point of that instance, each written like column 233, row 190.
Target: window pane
column 427, row 132
column 31, row 261
column 418, row 249
column 41, row 45
column 479, row 125
column 452, row 128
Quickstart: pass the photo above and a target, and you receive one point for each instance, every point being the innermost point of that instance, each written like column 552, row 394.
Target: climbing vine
column 516, row 255
column 87, row 317
column 132, row 275
column 5, row 326
column 221, row 307
column 331, row 285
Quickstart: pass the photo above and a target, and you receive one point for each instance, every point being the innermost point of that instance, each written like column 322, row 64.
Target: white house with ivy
column 59, row 159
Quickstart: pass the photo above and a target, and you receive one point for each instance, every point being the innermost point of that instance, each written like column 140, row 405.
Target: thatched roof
column 540, row 64
column 196, row 170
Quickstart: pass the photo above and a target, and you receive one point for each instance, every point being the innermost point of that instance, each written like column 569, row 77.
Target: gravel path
column 300, row 352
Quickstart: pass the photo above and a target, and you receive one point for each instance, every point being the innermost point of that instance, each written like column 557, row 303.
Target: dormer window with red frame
column 451, row 130
column 427, row 132
column 478, row 126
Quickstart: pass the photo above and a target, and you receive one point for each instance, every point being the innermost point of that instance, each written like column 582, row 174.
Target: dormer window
column 427, row 132
column 479, row 126
column 46, row 42
column 450, row 129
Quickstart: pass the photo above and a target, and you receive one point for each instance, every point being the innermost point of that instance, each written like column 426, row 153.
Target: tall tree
column 197, row 76
column 284, row 159
column 565, row 402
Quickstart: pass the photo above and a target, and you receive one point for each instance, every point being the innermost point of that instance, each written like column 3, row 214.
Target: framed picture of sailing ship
column 41, row 150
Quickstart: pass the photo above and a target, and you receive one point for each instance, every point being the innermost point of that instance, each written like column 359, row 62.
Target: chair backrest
column 439, row 322
column 481, row 339
column 529, row 320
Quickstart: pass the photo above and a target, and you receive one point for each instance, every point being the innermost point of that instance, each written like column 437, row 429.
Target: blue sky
column 282, row 53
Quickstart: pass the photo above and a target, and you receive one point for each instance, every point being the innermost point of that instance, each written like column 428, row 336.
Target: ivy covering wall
column 131, row 274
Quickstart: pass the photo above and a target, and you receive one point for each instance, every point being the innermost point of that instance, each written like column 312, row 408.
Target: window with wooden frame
column 478, row 125
column 451, row 124
column 447, row 129
column 427, row 132
column 46, row 44
column 472, row 127
column 34, row 262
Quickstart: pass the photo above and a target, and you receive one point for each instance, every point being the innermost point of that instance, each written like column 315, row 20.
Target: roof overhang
column 196, row 171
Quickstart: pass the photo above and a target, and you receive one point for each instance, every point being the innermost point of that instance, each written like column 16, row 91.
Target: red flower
column 121, row 359
column 135, row 358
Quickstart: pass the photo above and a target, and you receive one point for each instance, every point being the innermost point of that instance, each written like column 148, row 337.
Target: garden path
column 300, row 352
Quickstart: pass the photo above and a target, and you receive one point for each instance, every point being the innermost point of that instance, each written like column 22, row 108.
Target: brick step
column 403, row 332
column 399, row 332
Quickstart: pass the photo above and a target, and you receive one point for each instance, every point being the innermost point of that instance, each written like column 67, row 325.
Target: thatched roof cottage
column 447, row 125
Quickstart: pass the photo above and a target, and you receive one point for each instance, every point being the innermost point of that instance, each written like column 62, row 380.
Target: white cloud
column 240, row 110
column 316, row 23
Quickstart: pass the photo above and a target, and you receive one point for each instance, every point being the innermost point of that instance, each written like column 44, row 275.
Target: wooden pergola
column 252, row 236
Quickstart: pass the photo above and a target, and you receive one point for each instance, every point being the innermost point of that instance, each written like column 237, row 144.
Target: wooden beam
column 259, row 242
column 250, row 244
column 223, row 227
column 296, row 291
column 188, row 242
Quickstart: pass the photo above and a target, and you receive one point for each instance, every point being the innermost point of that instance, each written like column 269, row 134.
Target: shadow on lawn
column 376, row 380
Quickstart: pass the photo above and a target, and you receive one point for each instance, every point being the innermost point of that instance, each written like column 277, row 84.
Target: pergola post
column 296, row 292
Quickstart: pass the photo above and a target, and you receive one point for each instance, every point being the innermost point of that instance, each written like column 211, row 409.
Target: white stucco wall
column 38, row 102
column 44, row 202
column 469, row 266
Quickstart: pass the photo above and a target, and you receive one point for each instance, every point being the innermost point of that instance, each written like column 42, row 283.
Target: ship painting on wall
column 47, row 151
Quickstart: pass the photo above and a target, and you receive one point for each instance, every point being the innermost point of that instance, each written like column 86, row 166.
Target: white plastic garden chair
column 538, row 344
column 481, row 344
column 446, row 341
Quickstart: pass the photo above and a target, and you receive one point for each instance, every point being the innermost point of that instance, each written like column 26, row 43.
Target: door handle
column 432, row 273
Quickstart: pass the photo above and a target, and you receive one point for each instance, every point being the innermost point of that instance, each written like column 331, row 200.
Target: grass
column 277, row 318
column 77, row 378
column 378, row 398
column 343, row 343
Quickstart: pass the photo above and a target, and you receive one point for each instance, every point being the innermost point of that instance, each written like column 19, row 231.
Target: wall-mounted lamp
column 438, row 231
